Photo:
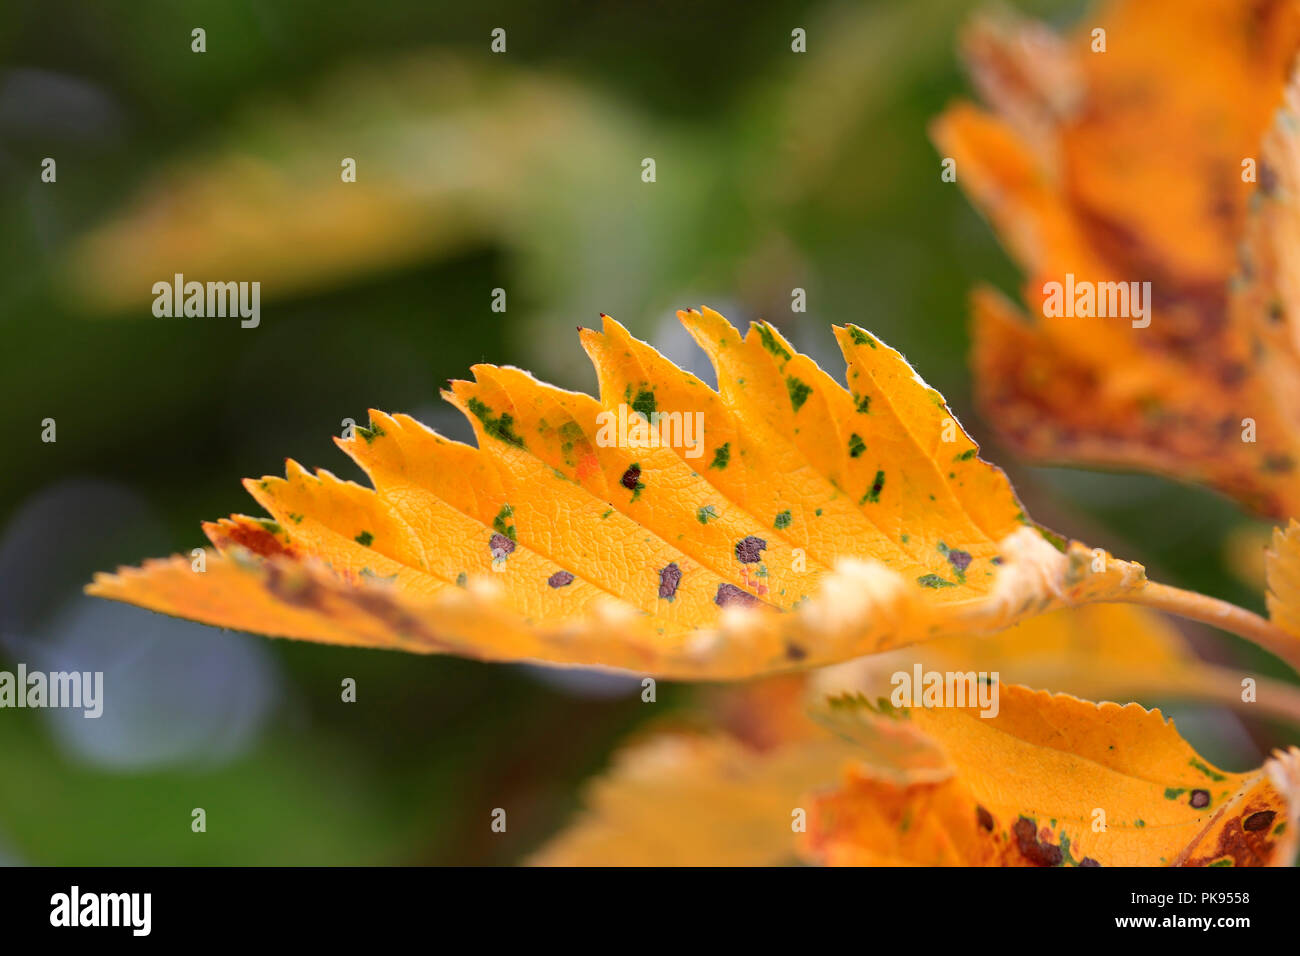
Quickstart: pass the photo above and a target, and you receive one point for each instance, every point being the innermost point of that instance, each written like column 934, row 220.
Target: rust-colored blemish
column 1033, row 847
column 251, row 536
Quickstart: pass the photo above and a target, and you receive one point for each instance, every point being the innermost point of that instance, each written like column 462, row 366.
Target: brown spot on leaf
column 256, row 539
column 729, row 595
column 560, row 579
column 295, row 587
column 1267, row 179
column 750, row 550
column 631, row 477
column 1258, row 821
column 984, row 818
column 669, row 578
column 794, row 652
column 499, row 545
column 1244, row 840
column 1199, row 799
column 1088, row 861
column 1039, row 853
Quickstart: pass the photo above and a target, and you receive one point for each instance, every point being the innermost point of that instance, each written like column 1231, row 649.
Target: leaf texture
column 1078, row 180
column 1057, row 781
column 684, row 800
column 1115, row 652
column 1282, row 564
column 809, row 524
column 1032, row 786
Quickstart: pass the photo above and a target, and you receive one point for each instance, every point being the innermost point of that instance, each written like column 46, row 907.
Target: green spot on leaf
column 1206, row 770
column 501, row 523
column 771, row 344
column 934, row 581
column 371, row 433
column 873, row 493
column 799, row 391
column 644, row 403
column 500, row 428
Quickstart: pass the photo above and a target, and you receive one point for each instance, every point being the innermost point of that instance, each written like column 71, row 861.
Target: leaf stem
column 1223, row 615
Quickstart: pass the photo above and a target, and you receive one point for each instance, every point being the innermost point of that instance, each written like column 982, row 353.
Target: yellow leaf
column 1083, row 178
column 1243, row 554
column 680, row 800
column 1054, row 780
column 257, row 197
column 781, row 522
column 737, row 798
column 729, row 798
column 1282, row 565
column 1114, row 652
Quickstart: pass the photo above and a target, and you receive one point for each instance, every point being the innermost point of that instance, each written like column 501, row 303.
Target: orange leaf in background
column 1079, row 181
column 1054, row 780
column 1282, row 565
column 678, row 799
column 790, row 523
column 683, row 800
column 1115, row 652
column 870, row 787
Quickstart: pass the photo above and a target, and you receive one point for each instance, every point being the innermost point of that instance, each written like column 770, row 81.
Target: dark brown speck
column 669, row 578
column 1258, row 821
column 749, row 550
column 1039, row 854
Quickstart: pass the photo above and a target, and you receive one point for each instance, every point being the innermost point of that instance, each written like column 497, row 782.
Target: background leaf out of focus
column 476, row 171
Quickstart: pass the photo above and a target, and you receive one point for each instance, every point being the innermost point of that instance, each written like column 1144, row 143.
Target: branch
column 1223, row 615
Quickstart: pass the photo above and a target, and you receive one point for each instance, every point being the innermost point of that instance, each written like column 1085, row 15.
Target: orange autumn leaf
column 731, row 798
column 1126, row 166
column 1115, row 652
column 1282, row 567
column 1052, row 780
column 685, row 800
column 251, row 199
column 799, row 523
